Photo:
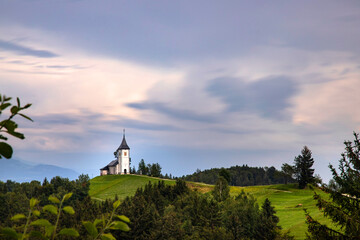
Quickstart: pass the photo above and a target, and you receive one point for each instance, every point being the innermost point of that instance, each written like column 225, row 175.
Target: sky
column 196, row 84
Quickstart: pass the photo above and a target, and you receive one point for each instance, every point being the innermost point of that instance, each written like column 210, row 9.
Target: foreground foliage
column 8, row 125
column 344, row 207
column 49, row 218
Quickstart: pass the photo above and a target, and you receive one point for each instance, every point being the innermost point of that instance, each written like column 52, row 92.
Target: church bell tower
column 123, row 156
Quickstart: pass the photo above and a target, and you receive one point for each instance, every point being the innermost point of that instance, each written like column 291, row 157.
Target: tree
column 268, row 229
column 303, row 171
column 288, row 171
column 344, row 191
column 224, row 173
column 155, row 170
column 221, row 189
column 8, row 126
column 143, row 170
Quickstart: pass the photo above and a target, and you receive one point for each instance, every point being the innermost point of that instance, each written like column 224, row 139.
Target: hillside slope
column 288, row 200
column 108, row 186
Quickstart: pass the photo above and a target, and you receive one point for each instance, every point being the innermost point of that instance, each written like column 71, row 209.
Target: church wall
column 112, row 170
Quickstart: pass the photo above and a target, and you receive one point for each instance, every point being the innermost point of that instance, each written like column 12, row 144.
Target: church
column 121, row 164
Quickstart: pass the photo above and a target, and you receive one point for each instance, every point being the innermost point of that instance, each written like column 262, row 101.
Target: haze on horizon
column 195, row 84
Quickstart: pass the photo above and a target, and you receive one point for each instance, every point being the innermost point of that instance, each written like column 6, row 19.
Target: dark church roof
column 111, row 164
column 123, row 144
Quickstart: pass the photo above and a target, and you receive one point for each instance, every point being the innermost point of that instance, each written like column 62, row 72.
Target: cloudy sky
column 196, row 84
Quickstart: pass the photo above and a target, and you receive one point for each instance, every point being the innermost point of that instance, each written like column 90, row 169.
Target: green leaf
column 16, row 134
column 91, row 228
column 14, row 110
column 97, row 221
column 27, row 106
column 5, row 150
column 9, row 232
column 118, row 225
column 69, row 232
column 123, row 218
column 24, row 116
column 69, row 210
column 49, row 230
column 9, row 125
column 36, row 235
column 54, row 199
column 18, row 101
column 116, row 204
column 5, row 105
column 6, row 99
column 3, row 137
column 107, row 236
column 33, row 202
column 36, row 213
column 17, row 217
column 51, row 209
column 67, row 196
column 41, row 223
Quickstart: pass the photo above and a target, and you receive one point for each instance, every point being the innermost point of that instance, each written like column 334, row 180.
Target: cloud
column 173, row 112
column 27, row 51
column 269, row 97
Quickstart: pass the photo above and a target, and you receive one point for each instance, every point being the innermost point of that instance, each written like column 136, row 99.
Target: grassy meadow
column 288, row 200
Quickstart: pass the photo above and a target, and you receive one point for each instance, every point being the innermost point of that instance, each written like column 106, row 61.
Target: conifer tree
column 344, row 205
column 268, row 229
column 303, row 170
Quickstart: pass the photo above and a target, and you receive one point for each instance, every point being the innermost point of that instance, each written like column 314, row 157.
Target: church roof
column 123, row 144
column 111, row 164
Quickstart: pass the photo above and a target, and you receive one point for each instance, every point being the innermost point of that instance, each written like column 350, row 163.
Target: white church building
column 121, row 164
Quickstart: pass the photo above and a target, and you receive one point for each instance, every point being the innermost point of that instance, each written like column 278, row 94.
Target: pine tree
column 303, row 170
column 268, row 229
column 344, row 207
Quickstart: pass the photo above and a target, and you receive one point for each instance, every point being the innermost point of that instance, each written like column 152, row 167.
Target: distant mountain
column 15, row 170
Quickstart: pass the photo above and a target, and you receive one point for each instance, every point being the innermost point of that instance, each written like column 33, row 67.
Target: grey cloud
column 174, row 112
column 55, row 119
column 141, row 125
column 86, row 117
column 22, row 50
column 166, row 32
column 268, row 97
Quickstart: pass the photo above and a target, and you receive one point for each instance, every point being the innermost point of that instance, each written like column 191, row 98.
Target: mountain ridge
column 19, row 171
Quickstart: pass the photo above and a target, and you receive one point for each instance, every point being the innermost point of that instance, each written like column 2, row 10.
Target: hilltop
column 288, row 200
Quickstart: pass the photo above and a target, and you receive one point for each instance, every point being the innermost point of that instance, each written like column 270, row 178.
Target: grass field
column 103, row 187
column 288, row 200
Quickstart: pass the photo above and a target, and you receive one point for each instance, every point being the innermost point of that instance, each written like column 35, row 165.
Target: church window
column 125, row 153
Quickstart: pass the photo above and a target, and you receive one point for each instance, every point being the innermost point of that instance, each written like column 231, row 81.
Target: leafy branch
column 99, row 229
column 102, row 232
column 8, row 126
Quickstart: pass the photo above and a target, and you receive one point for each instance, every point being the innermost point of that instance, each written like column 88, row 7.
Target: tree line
column 242, row 176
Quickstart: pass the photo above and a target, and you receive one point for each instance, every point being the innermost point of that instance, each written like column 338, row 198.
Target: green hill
column 288, row 200
column 108, row 186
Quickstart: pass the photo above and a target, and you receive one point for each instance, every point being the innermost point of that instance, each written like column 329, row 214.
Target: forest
column 158, row 211
column 243, row 176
